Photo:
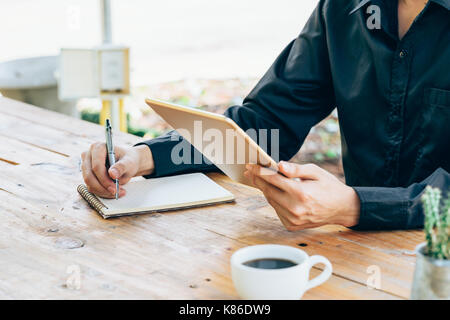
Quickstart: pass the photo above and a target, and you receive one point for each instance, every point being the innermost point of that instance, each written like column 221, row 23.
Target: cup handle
column 321, row 278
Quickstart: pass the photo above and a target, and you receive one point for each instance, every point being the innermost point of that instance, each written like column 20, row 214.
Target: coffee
column 270, row 263
column 273, row 271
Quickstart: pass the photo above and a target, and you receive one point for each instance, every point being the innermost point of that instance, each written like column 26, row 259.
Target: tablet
column 217, row 137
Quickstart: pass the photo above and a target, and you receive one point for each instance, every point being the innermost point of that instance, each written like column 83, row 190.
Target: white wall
column 169, row 39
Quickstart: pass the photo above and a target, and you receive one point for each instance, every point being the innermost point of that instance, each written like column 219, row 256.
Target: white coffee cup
column 273, row 284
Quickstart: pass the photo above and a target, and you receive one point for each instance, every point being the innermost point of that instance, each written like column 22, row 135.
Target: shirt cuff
column 382, row 208
column 161, row 149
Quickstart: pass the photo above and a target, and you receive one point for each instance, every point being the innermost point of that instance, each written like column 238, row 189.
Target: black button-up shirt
column 392, row 97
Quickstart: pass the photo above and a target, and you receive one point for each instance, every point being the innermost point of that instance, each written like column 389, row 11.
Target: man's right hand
column 131, row 162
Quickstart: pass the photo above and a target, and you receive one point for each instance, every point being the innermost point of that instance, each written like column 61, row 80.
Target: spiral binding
column 93, row 201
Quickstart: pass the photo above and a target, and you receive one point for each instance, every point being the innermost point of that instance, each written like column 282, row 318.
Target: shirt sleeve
column 397, row 208
column 293, row 95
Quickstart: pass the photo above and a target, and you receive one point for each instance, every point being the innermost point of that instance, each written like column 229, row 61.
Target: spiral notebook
column 160, row 194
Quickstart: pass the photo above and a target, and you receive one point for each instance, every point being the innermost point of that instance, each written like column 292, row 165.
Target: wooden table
column 49, row 235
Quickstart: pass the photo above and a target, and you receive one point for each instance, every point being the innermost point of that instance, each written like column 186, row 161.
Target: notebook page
column 167, row 192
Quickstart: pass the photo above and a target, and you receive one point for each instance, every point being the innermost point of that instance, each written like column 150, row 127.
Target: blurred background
column 202, row 53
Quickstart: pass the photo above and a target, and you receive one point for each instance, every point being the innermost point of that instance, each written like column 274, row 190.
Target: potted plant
column 432, row 272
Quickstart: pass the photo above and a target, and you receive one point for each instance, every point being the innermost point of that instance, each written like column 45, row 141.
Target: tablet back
column 217, row 137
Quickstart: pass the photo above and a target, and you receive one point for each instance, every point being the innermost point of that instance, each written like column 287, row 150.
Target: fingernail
column 286, row 165
column 112, row 190
column 114, row 173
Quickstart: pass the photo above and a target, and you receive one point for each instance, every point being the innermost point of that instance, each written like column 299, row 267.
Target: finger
column 96, row 188
column 98, row 161
column 262, row 170
column 120, row 169
column 306, row 171
column 281, row 202
column 91, row 180
column 286, row 218
column 254, row 180
column 250, row 177
column 112, row 194
column 291, row 209
column 283, row 199
column 270, row 191
column 275, row 179
column 282, row 212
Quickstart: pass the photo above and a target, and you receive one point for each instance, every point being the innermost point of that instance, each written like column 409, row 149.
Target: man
column 391, row 87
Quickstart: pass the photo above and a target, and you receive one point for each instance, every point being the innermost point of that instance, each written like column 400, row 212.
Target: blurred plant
column 94, row 116
column 437, row 223
column 332, row 154
column 91, row 116
column 319, row 157
column 182, row 100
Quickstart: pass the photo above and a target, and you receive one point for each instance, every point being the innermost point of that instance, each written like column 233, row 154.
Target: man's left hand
column 316, row 198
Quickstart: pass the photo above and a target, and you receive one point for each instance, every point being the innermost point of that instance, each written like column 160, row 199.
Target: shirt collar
column 389, row 20
column 444, row 3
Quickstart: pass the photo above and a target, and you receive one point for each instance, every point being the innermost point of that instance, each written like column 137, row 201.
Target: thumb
column 306, row 171
column 118, row 169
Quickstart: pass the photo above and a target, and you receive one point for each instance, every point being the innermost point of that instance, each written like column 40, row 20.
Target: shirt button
column 402, row 53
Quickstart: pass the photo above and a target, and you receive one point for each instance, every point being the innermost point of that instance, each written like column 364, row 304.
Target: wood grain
column 47, row 229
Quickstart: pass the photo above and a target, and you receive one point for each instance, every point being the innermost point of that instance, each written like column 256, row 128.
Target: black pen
column 111, row 155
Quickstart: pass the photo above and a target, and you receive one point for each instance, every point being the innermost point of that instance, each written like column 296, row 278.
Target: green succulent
column 437, row 223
